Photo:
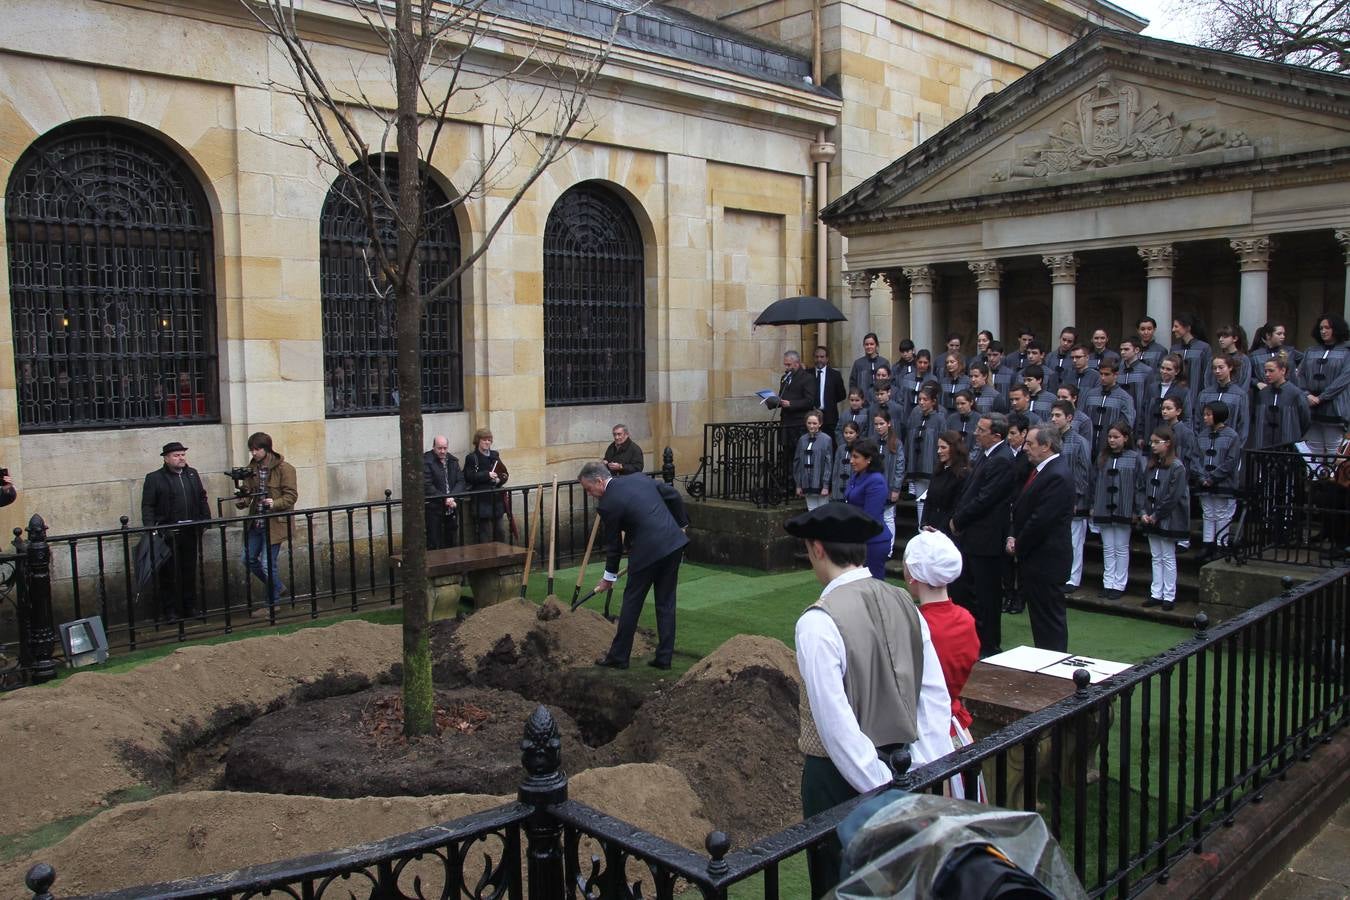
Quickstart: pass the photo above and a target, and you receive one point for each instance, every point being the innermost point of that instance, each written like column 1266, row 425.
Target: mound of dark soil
column 347, row 747
column 735, row 739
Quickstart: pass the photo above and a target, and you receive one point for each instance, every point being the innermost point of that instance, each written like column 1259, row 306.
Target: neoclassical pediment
column 1112, row 108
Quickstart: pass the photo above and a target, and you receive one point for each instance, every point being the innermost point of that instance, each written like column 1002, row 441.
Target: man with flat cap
column 174, row 494
column 873, row 683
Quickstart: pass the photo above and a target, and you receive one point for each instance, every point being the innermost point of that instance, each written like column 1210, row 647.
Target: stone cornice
column 1255, row 174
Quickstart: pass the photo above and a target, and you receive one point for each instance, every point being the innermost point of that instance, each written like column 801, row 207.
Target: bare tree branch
column 1313, row 33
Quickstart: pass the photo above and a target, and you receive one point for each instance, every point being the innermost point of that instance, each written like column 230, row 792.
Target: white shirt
column 1045, row 462
column 821, row 660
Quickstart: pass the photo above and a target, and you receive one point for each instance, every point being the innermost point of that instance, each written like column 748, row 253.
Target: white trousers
column 1115, row 556
column 1164, row 550
column 814, row 500
column 1218, row 515
column 888, row 516
column 1078, row 532
column 1323, row 438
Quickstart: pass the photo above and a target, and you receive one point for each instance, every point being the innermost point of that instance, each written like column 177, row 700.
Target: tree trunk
column 418, row 697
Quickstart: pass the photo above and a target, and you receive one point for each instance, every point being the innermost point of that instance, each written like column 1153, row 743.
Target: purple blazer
column 869, row 493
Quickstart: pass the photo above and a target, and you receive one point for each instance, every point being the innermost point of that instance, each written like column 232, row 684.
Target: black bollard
column 541, row 755
column 668, row 466
column 38, row 633
column 39, row 880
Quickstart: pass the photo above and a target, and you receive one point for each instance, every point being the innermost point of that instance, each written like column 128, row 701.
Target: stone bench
column 492, row 570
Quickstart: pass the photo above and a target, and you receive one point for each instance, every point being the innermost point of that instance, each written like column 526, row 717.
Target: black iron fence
column 1131, row 775
column 744, row 461
column 332, row 559
column 1294, row 508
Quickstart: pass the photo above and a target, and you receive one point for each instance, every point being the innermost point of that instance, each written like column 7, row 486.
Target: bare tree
column 534, row 98
column 1312, row 33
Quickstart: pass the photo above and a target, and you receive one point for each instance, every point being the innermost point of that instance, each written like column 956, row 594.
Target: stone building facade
column 1126, row 176
column 715, row 136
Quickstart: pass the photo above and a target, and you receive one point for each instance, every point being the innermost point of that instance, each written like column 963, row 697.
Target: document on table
column 1052, row 662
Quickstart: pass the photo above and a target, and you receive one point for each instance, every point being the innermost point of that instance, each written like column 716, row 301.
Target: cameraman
column 174, row 494
column 271, row 488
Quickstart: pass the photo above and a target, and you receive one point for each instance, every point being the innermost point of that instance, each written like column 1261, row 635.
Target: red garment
column 957, row 646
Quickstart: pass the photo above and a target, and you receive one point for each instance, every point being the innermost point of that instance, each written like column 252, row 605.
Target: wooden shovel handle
column 586, row 560
column 534, row 534
column 553, row 531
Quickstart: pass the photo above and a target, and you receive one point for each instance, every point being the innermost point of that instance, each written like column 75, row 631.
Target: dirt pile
column 326, row 748
column 569, row 639
column 128, row 727
column 731, row 728
column 202, row 832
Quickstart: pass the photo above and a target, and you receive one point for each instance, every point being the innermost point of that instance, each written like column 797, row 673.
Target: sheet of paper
column 1027, row 659
column 1099, row 669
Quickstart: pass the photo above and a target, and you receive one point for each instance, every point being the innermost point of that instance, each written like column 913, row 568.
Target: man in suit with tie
column 829, row 389
column 980, row 525
column 795, row 398
column 1040, row 538
column 646, row 517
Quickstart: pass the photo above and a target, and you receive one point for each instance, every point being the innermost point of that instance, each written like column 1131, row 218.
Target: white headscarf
column 932, row 559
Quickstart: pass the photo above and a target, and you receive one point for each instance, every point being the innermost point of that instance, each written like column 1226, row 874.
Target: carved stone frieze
column 1112, row 127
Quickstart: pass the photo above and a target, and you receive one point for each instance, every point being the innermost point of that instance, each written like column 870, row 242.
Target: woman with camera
column 483, row 471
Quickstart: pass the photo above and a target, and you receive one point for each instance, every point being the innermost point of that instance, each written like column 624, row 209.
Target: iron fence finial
column 39, row 880
column 1081, row 679
column 717, row 844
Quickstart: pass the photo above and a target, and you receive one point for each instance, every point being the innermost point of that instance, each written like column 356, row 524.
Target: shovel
column 585, row 560
column 529, row 549
column 577, row 603
column 552, row 542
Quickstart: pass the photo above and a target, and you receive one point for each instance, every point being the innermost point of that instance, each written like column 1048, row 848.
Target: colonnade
column 1253, row 254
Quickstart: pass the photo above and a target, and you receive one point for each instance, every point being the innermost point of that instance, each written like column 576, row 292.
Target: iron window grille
column 594, row 328
column 112, row 294
column 360, row 333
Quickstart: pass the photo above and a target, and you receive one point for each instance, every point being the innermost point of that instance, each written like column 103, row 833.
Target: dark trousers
column 492, row 530
column 663, row 576
column 1045, row 608
column 176, row 581
column 823, row 788
column 442, row 529
column 985, row 600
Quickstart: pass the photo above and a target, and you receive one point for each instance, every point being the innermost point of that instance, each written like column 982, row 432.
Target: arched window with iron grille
column 112, row 293
column 360, row 334
column 594, row 329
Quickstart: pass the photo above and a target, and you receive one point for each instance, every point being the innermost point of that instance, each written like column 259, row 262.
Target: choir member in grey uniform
column 892, row 464
column 926, row 422
column 1195, row 353
column 1173, row 415
column 857, row 413
column 1267, row 343
column 1002, row 373
column 953, row 380
column 1082, row 425
column 1232, row 344
column 1100, row 352
column 1325, row 375
column 813, row 464
column 983, row 395
column 848, row 436
column 1039, row 393
column 865, row 366
column 911, row 382
column 1113, row 507
column 964, row 419
column 1152, row 351
column 1077, row 452
column 1218, row 458
column 1164, row 514
column 1281, row 415
column 1107, row 405
column 1056, row 362
column 1232, row 394
column 1019, row 401
column 1079, row 373
column 1134, row 374
column 1166, row 383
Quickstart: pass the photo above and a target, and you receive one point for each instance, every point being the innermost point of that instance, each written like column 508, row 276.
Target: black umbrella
column 800, row 311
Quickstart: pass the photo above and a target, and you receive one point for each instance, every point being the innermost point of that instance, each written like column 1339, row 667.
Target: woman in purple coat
column 867, row 490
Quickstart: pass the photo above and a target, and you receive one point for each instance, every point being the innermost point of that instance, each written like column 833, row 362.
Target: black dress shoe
column 1152, row 601
column 1169, row 605
column 607, row 663
column 1114, row 594
column 657, row 664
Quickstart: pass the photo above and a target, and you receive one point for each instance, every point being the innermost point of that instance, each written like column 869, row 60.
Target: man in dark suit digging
column 1040, row 538
column 646, row 517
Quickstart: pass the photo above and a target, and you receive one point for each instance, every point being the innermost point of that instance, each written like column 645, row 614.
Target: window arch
column 360, row 328
column 112, row 293
column 594, row 329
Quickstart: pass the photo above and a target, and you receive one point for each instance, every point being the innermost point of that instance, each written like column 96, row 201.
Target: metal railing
column 333, row 559
column 1293, row 510
column 1131, row 775
column 745, row 461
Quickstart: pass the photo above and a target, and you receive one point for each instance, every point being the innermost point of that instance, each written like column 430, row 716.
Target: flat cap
column 836, row 522
column 171, row 447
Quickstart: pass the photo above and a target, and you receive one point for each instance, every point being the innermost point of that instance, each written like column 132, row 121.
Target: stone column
column 987, row 275
column 1343, row 237
column 1254, row 258
column 1063, row 290
column 900, row 312
column 1159, row 261
column 859, row 310
column 921, row 281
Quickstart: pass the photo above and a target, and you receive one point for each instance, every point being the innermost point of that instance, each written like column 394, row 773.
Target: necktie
column 1030, row 479
column 820, row 377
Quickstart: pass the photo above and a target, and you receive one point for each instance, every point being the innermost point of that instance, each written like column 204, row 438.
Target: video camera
column 240, row 474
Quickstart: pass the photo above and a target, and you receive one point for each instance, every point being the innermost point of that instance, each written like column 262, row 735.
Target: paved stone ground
column 1321, row 870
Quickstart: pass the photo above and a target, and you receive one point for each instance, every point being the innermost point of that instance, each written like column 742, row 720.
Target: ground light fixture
column 84, row 642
